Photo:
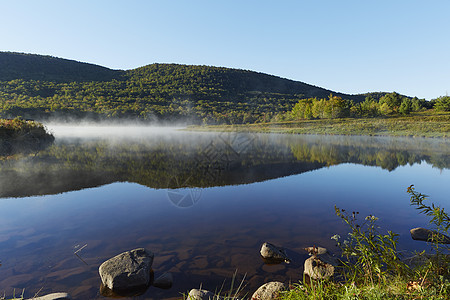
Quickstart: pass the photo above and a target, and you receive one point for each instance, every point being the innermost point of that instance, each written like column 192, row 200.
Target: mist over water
column 110, row 131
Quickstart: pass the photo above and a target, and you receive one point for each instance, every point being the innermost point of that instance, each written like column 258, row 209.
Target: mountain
column 49, row 68
column 39, row 86
column 232, row 83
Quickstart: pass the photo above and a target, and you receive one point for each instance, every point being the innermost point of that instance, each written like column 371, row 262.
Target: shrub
column 369, row 255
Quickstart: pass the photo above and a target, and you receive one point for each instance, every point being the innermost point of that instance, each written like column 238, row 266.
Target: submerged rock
column 128, row 293
column 127, row 271
column 269, row 291
column 422, row 259
column 316, row 250
column 164, row 281
column 272, row 254
column 426, row 235
column 198, row 294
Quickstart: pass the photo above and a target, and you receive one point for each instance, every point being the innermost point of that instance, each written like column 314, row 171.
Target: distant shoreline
column 435, row 125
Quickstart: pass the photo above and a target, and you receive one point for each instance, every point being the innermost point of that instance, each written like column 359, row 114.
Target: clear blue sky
column 347, row 46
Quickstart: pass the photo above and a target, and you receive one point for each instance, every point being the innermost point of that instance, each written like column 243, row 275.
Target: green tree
column 392, row 100
column 405, row 107
column 338, row 107
column 303, row 109
column 369, row 107
column 418, row 104
column 318, row 108
column 442, row 103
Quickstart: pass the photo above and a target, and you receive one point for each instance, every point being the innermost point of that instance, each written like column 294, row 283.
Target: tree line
column 386, row 105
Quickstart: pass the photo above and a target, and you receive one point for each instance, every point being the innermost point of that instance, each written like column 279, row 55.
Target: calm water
column 203, row 203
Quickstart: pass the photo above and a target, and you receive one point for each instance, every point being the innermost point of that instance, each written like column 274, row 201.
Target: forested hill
column 232, row 84
column 49, row 68
column 38, row 86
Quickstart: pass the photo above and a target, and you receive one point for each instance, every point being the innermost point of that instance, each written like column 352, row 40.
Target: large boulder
column 269, row 291
column 127, row 271
column 272, row 254
column 198, row 294
column 422, row 234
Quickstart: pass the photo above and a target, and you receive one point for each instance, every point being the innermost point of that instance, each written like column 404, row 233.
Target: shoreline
column 420, row 125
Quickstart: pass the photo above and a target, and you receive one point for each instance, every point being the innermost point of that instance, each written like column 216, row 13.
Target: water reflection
column 174, row 160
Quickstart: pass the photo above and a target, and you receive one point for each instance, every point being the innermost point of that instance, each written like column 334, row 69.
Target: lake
column 202, row 202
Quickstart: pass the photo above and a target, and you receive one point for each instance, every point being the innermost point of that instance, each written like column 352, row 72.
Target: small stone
column 316, row 250
column 426, row 235
column 164, row 281
column 53, row 296
column 198, row 294
column 269, row 291
column 272, row 254
column 128, row 270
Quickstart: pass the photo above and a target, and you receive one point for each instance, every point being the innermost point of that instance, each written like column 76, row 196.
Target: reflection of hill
column 204, row 161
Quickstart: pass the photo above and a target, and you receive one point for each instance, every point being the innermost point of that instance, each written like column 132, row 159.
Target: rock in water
column 272, row 254
column 164, row 281
column 422, row 234
column 269, row 291
column 316, row 250
column 320, row 265
column 315, row 268
column 127, row 271
column 197, row 294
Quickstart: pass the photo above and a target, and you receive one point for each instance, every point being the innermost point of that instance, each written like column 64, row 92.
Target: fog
column 110, row 130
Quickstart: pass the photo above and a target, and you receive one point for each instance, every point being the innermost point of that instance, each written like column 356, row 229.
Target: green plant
column 14, row 296
column 394, row 289
column 435, row 270
column 370, row 257
column 439, row 218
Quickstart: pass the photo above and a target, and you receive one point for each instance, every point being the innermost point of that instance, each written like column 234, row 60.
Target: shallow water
column 203, row 203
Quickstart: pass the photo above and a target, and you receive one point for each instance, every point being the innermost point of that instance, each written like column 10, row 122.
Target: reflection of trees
column 207, row 160
column 387, row 153
column 204, row 162
column 26, row 138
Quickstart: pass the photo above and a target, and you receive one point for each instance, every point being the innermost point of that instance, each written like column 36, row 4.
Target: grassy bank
column 421, row 124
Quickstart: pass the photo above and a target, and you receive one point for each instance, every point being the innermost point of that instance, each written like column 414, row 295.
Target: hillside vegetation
column 37, row 86
column 43, row 87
